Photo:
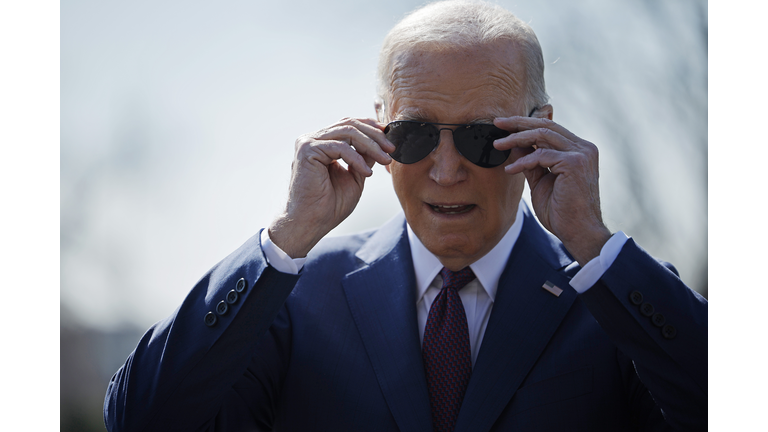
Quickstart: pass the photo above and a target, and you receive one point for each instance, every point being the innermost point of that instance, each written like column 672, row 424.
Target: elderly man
column 462, row 313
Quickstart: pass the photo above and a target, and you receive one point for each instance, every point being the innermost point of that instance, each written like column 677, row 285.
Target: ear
column 378, row 105
column 544, row 112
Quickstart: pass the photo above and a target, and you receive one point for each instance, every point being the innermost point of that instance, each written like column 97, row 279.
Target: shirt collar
column 487, row 269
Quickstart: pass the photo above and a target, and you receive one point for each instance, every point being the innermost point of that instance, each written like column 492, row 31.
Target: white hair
column 459, row 24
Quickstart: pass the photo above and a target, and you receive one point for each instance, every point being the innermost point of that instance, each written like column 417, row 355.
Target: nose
column 447, row 163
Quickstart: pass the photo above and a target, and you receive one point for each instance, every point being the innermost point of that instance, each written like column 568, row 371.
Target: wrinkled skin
column 457, row 209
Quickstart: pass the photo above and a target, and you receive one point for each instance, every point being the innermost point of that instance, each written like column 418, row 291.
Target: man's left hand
column 562, row 172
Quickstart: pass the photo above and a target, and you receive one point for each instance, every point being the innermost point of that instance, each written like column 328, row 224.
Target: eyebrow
column 414, row 114
column 481, row 120
column 417, row 114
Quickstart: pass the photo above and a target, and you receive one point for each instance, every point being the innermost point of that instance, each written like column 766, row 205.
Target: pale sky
column 195, row 190
column 178, row 121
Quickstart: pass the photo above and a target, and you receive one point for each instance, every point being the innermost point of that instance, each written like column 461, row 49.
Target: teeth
column 452, row 209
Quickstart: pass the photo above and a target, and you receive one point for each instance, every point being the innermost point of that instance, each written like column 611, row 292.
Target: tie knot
column 456, row 280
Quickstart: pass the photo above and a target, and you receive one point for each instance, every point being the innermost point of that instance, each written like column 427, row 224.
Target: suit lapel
column 523, row 319
column 382, row 301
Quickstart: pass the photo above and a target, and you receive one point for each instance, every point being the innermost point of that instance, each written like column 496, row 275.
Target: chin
column 453, row 246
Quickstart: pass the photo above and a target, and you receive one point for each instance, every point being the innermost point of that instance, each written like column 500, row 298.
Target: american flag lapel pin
column 552, row 288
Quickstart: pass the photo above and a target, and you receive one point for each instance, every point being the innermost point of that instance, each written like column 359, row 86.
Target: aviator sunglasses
column 414, row 140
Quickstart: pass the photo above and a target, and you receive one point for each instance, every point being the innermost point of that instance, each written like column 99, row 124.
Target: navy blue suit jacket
column 337, row 348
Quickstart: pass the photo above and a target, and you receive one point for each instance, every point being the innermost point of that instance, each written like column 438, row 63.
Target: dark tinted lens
column 413, row 141
column 475, row 142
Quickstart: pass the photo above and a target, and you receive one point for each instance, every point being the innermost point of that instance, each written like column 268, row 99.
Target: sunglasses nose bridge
column 447, row 162
column 440, row 134
column 452, row 134
column 441, row 137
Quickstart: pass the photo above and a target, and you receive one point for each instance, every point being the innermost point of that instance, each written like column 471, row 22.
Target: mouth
column 452, row 209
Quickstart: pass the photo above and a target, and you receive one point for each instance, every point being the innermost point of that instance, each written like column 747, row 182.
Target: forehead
column 458, row 85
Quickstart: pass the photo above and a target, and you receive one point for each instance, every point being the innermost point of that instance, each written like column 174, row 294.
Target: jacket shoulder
column 337, row 252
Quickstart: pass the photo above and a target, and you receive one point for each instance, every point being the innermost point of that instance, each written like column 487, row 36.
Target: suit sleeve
column 658, row 322
column 186, row 367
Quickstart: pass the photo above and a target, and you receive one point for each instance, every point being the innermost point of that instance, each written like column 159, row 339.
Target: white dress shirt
column 478, row 295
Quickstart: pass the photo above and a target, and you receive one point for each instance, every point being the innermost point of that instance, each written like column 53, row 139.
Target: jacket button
column 646, row 309
column 232, row 297
column 210, row 319
column 241, row 285
column 222, row 308
column 658, row 319
column 636, row 297
column 669, row 332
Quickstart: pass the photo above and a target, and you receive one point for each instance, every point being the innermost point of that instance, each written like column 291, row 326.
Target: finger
column 518, row 123
column 541, row 137
column 371, row 128
column 363, row 143
column 369, row 161
column 374, row 123
column 328, row 151
column 534, row 175
column 516, row 153
column 549, row 160
column 533, row 171
column 375, row 130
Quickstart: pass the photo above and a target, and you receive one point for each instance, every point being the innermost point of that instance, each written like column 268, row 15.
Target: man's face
column 466, row 86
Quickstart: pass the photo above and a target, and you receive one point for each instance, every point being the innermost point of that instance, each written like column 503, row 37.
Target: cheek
column 504, row 198
column 403, row 184
column 406, row 178
column 515, row 188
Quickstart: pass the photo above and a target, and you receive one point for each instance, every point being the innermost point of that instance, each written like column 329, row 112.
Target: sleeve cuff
column 593, row 271
column 279, row 259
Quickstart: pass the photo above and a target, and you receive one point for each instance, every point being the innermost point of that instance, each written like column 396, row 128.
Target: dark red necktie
column 446, row 350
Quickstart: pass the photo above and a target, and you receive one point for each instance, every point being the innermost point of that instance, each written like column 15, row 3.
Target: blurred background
column 178, row 120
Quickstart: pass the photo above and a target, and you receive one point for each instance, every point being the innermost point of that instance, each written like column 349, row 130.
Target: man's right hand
column 322, row 192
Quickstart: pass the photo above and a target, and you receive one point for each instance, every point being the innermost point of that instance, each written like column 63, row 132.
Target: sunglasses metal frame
column 457, row 144
column 453, row 131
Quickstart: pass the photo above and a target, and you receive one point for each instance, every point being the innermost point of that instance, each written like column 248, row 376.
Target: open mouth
column 452, row 209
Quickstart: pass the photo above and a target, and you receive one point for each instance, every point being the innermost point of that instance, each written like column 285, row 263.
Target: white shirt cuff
column 279, row 259
column 594, row 270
